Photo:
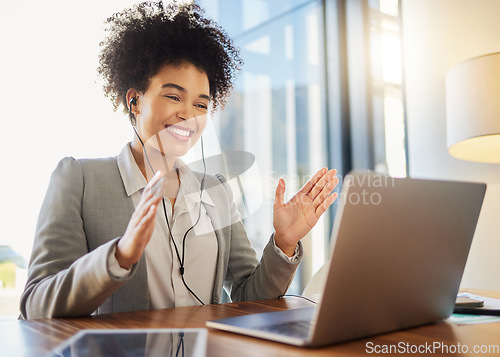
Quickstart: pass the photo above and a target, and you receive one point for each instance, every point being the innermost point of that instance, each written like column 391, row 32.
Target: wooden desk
column 37, row 337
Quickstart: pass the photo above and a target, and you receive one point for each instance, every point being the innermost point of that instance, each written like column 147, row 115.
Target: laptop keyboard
column 294, row 329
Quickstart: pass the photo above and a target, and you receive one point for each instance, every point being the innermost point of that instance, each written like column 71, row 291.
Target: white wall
column 437, row 35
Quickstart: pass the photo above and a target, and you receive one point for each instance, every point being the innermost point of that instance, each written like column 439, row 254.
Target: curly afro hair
column 144, row 38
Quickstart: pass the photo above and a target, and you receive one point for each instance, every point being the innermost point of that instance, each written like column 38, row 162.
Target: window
column 278, row 108
column 321, row 85
column 387, row 79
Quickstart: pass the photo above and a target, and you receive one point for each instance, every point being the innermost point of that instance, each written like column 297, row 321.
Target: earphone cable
column 202, row 184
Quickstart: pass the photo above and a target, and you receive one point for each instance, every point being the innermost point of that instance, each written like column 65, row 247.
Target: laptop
column 398, row 252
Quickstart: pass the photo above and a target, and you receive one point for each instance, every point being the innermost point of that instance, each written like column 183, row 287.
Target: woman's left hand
column 294, row 219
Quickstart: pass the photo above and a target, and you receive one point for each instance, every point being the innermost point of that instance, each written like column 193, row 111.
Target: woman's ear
column 132, row 96
column 133, row 110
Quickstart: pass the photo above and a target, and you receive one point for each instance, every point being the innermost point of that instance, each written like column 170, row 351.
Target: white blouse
column 165, row 285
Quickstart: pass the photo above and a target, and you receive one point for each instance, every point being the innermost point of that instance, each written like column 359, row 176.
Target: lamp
column 473, row 109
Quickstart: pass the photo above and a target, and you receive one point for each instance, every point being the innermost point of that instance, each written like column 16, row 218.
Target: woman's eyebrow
column 182, row 89
column 173, row 85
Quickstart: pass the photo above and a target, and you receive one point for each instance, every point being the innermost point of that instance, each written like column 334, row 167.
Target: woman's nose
column 186, row 111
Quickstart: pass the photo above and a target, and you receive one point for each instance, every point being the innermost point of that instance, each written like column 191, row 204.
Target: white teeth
column 180, row 132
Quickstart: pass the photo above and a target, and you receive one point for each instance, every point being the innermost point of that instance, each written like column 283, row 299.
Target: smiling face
column 171, row 115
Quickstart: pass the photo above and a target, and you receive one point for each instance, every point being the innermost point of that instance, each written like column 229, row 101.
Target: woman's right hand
column 141, row 225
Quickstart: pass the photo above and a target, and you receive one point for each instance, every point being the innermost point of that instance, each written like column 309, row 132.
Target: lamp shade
column 473, row 109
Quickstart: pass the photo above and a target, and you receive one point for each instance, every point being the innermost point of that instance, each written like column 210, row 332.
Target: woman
column 140, row 230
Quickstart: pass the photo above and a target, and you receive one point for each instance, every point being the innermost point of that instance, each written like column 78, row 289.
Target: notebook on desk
column 398, row 251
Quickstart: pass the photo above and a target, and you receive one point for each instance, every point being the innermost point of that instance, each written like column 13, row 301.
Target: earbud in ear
column 133, row 101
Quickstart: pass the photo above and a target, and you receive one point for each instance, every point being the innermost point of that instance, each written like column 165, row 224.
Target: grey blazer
column 86, row 210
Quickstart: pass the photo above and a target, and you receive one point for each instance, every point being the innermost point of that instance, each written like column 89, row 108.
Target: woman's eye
column 173, row 97
column 202, row 106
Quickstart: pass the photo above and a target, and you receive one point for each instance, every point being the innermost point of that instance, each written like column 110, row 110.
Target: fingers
column 140, row 228
column 326, row 191
column 146, row 219
column 154, row 187
column 325, row 204
column 325, row 198
column 280, row 194
column 321, row 180
column 151, row 196
column 322, row 192
column 310, row 184
column 144, row 207
column 131, row 246
column 155, row 183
